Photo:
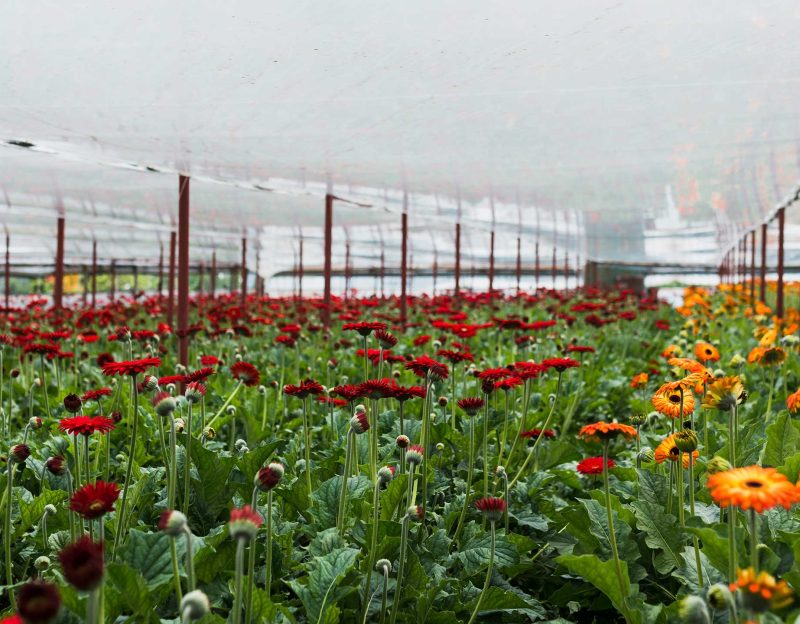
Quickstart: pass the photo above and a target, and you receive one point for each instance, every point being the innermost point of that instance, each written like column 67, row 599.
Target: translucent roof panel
column 618, row 131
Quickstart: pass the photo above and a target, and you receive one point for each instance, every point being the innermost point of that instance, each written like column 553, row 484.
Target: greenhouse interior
column 400, row 313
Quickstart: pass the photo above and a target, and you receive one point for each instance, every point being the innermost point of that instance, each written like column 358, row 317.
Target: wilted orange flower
column 724, row 394
column 793, row 402
column 667, row 450
column 706, row 352
column 640, row 380
column 774, row 356
column 754, row 357
column 753, row 487
column 761, row 591
column 667, row 400
column 606, row 431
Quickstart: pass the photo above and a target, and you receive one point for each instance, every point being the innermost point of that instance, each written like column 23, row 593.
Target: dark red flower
column 404, row 393
column 423, row 365
column 386, row 340
column 593, row 466
column 304, row 388
column 103, row 359
column 94, row 499
column 471, row 405
column 349, row 392
column 528, row 370
column 131, row 367
column 94, row 395
column 56, row 465
column 454, row 357
column 495, row 374
column 200, row 374
column 72, row 403
column 579, row 349
column 171, row 379
column 491, row 507
column 82, row 563
column 209, row 360
column 364, row 328
column 560, row 364
column 421, row 340
column 85, row 425
column 535, row 433
column 376, row 388
column 38, row 602
column 246, row 373
column 509, row 383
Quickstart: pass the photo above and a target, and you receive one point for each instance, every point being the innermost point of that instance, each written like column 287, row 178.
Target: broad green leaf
column 628, row 549
column 783, row 438
column 320, row 591
column 496, row 600
column 211, row 494
column 393, row 496
column 662, row 533
column 474, row 555
column 30, row 513
column 149, row 554
column 601, row 574
column 326, row 497
column 131, row 594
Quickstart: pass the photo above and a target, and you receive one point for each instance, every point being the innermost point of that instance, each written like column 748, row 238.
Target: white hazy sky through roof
column 614, row 121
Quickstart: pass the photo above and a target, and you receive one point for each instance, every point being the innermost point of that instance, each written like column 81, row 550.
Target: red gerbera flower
column 560, row 364
column 131, row 367
column 86, row 425
column 246, row 373
column 421, row 340
column 494, row 374
column 579, row 349
column 349, row 392
column 471, row 405
column 528, row 370
column 454, row 357
column 535, row 433
column 404, row 393
column 171, row 379
column 82, row 563
column 94, row 395
column 364, row 328
column 376, row 388
column 423, row 365
column 209, row 360
column 593, row 466
column 94, row 499
column 304, row 388
column 509, row 383
column 386, row 340
column 491, row 507
column 200, row 375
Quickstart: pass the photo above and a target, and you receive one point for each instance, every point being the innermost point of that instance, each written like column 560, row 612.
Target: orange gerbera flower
column 667, row 400
column 602, row 431
column 640, row 380
column 761, row 592
column 671, row 351
column 774, row 356
column 753, row 487
column 687, row 364
column 793, row 402
column 754, row 357
column 706, row 352
column 667, row 450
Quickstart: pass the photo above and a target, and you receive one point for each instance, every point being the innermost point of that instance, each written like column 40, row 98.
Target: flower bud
column 719, row 597
column 180, row 425
column 359, row 423
column 383, row 565
column 19, row 453
column 149, row 383
column 402, row 441
column 414, row 455
column 442, row 401
column 50, row 510
column 416, row 513
column 38, row 602
column 72, row 403
column 500, row 471
column 231, row 410
column 439, row 447
column 195, row 605
column 385, row 474
column 686, row 441
column 637, row 420
column 240, row 444
column 163, row 404
column 647, row 456
column 717, row 464
column 209, row 433
column 172, row 522
column 34, row 422
column 269, row 476
column 56, row 465
column 41, row 563
column 262, row 390
column 693, row 610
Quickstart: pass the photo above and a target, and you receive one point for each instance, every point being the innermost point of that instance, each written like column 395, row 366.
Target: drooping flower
column 303, row 389
column 131, row 367
column 82, row 563
column 246, row 373
column 724, row 393
column 94, row 499
column 753, row 487
column 491, row 507
column 601, row 431
column 471, row 405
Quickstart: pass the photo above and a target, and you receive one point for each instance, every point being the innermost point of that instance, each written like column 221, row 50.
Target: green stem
column 226, row 403
column 753, row 518
column 128, row 470
column 373, row 547
column 402, row 564
column 189, row 559
column 268, row 565
column 385, row 593
column 612, row 534
column 348, row 458
column 486, row 449
column 187, row 462
column 237, row 595
column 470, row 470
column 691, row 515
column 251, row 563
column 7, row 533
column 307, row 450
column 488, row 578
column 732, row 554
column 176, row 575
column 505, row 428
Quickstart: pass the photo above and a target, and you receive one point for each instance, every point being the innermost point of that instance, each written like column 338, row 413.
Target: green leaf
column 211, row 494
column 30, row 513
column 601, row 574
column 149, row 553
column 662, row 533
column 496, row 600
column 474, row 555
column 393, row 495
column 132, row 594
column 320, row 592
column 628, row 549
column 782, row 441
column 326, row 497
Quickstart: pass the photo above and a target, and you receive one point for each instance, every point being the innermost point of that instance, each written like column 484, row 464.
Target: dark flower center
column 675, row 398
column 754, row 484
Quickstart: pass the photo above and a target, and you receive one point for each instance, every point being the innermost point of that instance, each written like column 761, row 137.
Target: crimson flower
column 560, row 364
column 491, row 507
column 246, row 373
column 495, row 374
column 509, row 383
column 131, row 367
column 404, row 393
column 209, row 360
column 200, row 374
column 86, row 425
column 82, row 563
column 41, row 348
column 535, row 433
column 94, row 395
column 364, row 328
column 579, row 349
column 471, row 405
column 244, row 523
column 171, row 379
column 38, row 602
column 349, row 392
column 303, row 389
column 454, row 357
column 386, row 340
column 528, row 370
column 593, row 466
column 376, row 388
column 423, row 365
column 94, row 499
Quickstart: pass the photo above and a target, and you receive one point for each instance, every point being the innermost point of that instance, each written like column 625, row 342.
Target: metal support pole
column 346, row 270
column 383, row 272
column 519, row 265
column 753, row 268
column 201, row 274
column 781, row 227
column 94, row 273
column 762, row 277
column 491, row 262
column 536, row 266
column 435, row 272
column 326, row 311
column 553, row 268
column 300, row 272
column 183, row 269
column 243, row 294
column 58, row 285
column 8, row 272
column 566, row 270
column 458, row 259
column 171, row 280
column 113, row 294
column 213, row 277
column 160, row 269
column 403, row 265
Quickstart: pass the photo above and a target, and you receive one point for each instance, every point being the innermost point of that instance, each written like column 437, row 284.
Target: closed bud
column 209, row 433
column 231, row 410
column 402, row 441
column 172, row 522
column 19, row 453
column 693, row 610
column 149, row 383
column 720, row 597
column 637, row 420
column 163, row 404
column 269, row 476
column 686, row 441
column 180, row 425
column 262, row 390
column 195, row 605
column 385, row 474
column 42, row 563
column 383, row 565
column 72, row 403
column 240, row 444
column 500, row 471
column 439, row 446
column 717, row 464
column 359, row 423
column 34, row 422
column 416, row 513
column 414, row 454
column 646, row 456
column 50, row 510
column 442, row 401
column 56, row 465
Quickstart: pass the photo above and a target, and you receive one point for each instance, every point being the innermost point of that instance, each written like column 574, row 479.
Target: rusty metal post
column 183, row 269
column 58, row 285
column 326, row 312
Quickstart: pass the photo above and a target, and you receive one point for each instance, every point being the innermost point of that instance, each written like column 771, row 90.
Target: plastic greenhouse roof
column 624, row 131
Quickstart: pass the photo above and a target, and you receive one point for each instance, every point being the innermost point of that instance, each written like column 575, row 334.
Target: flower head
column 706, row 352
column 668, row 449
column 95, row 395
column 195, row 391
column 602, row 431
column 760, row 592
column 414, row 454
column 131, row 367
column 172, row 522
column 724, row 394
column 82, row 563
column 246, row 373
column 560, row 364
column 753, row 487
column 640, row 380
column 593, row 465
column 471, row 405
column 667, row 400
column 491, row 507
column 163, row 403
column 38, row 602
column 86, row 425
column 536, row 433
column 269, row 476
column 424, row 365
column 244, row 523
column 303, row 389
column 364, row 328
column 72, row 403
column 94, row 499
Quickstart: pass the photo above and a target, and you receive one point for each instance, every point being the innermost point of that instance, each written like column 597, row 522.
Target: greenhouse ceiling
column 637, row 131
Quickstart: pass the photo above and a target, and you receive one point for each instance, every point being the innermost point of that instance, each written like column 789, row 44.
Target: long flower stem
column 173, row 553
column 401, row 566
column 307, row 449
column 189, row 559
column 373, row 547
column 268, row 565
column 732, row 435
column 225, row 405
column 128, row 470
column 532, row 452
column 486, row 449
column 695, row 541
column 348, row 458
column 612, row 534
column 470, row 470
column 7, row 533
column 237, row 595
column 187, row 461
column 753, row 518
column 505, row 428
column 251, row 563
column 173, row 465
column 732, row 554
column 488, row 578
